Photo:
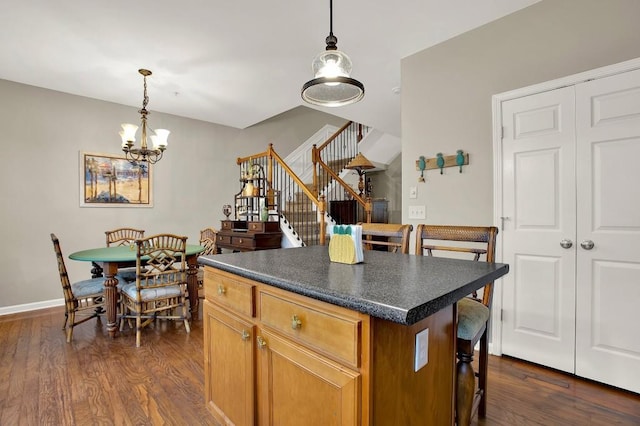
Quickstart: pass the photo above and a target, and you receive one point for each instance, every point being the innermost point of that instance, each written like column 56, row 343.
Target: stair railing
column 298, row 205
column 331, row 158
column 302, row 206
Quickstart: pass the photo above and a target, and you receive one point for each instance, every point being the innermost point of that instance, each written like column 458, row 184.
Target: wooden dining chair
column 160, row 288
column 392, row 237
column 208, row 240
column 124, row 237
column 83, row 298
column 474, row 313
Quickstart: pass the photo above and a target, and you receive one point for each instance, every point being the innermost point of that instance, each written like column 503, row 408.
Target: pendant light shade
column 332, row 85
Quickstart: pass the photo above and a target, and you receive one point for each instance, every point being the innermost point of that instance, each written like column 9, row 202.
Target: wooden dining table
column 113, row 258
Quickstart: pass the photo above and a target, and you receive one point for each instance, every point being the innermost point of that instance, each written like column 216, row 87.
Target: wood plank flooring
column 96, row 380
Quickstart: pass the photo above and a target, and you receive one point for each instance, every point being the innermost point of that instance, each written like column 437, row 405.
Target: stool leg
column 482, row 375
column 465, row 389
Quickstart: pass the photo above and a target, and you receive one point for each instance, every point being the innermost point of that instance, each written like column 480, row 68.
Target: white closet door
column 608, row 275
column 539, row 202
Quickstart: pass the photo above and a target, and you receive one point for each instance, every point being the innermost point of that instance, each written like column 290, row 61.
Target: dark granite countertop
column 395, row 287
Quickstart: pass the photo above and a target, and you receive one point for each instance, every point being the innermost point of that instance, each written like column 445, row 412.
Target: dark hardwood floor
column 96, row 380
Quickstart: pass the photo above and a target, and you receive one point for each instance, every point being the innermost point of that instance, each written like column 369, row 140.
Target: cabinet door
column 229, row 366
column 296, row 386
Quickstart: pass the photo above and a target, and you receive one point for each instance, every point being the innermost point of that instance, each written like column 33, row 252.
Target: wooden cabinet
column 346, row 212
column 239, row 235
column 273, row 357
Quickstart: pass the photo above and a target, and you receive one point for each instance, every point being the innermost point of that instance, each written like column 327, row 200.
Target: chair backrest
column 208, row 240
column 161, row 261
column 123, row 236
column 393, row 237
column 474, row 241
column 64, row 277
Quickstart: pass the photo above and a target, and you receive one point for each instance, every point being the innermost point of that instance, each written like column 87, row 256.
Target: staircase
column 303, row 206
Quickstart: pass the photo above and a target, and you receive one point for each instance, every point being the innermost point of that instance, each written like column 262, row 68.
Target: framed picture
column 110, row 180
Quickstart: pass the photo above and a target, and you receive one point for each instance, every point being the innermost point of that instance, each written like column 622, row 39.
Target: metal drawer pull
column 245, row 335
column 221, row 290
column 295, row 322
column 566, row 243
column 587, row 245
column 261, row 342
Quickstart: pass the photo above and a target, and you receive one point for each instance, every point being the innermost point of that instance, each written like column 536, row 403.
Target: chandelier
column 158, row 138
column 332, row 85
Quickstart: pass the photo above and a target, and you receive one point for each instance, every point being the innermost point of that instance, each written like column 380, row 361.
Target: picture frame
column 110, row 180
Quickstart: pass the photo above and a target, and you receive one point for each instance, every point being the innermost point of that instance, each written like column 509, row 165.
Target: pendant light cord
column 330, row 17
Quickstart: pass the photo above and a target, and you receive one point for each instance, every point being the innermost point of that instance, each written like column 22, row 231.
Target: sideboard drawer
column 229, row 290
column 246, row 242
column 224, row 239
column 256, row 226
column 329, row 333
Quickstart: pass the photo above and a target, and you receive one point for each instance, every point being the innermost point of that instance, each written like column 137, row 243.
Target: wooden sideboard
column 239, row 235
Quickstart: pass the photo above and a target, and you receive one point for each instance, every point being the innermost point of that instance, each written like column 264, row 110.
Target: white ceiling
column 230, row 62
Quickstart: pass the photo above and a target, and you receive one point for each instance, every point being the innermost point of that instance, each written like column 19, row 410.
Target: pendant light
column 332, row 85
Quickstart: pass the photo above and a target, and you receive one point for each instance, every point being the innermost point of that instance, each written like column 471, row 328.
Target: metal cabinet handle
column 245, row 335
column 221, row 290
column 587, row 244
column 261, row 342
column 295, row 322
column 565, row 243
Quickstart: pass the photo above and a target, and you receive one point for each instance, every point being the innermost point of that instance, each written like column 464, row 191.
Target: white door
column 608, row 200
column 540, row 208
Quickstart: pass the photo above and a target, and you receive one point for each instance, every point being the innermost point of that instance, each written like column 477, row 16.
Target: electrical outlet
column 417, row 212
column 421, row 349
column 413, row 192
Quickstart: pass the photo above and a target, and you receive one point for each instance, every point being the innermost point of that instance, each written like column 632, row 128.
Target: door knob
column 587, row 244
column 565, row 243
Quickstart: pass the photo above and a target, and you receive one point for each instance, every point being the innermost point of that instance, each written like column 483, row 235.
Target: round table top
column 120, row 253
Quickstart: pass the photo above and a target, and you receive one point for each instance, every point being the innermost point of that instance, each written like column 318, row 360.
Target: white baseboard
column 6, row 310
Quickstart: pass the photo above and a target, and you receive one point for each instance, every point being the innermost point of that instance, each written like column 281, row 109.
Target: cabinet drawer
column 227, row 225
column 230, row 291
column 243, row 242
column 256, row 226
column 329, row 333
column 224, row 239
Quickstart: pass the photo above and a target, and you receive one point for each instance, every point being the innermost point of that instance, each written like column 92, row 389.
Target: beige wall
column 447, row 90
column 43, row 133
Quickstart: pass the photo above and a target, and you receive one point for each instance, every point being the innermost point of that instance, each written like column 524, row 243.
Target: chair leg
column 138, row 329
column 482, row 375
column 72, row 322
column 185, row 312
column 465, row 389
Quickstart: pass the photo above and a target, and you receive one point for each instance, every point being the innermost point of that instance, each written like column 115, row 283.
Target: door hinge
column 501, row 314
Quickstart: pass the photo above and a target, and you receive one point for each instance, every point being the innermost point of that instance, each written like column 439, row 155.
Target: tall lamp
column 360, row 163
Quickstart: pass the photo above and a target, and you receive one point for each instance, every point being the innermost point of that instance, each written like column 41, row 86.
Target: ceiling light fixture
column 332, row 85
column 128, row 134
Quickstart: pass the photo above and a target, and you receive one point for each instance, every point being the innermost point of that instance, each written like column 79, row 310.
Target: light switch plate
column 417, row 212
column 413, row 192
column 421, row 349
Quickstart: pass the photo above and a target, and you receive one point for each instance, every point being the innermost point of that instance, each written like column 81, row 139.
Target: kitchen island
column 292, row 338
